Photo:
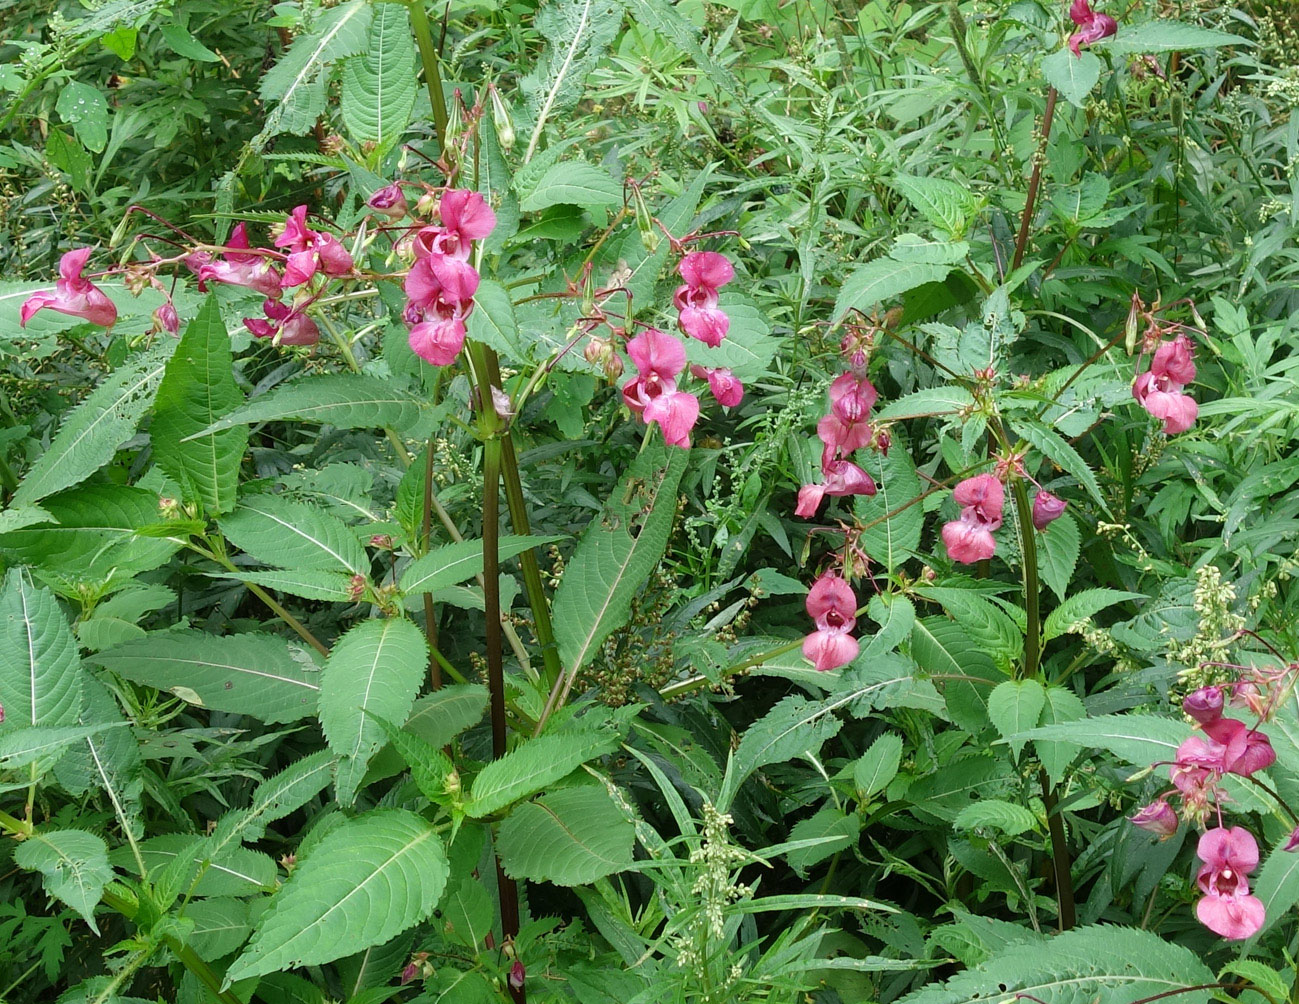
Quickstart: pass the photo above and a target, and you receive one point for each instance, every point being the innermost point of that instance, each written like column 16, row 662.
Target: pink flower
column 72, row 295
column 969, row 538
column 1204, row 705
column 285, row 325
column 1244, row 750
column 659, row 359
column 728, row 391
column 236, row 268
column 832, row 606
column 1157, row 817
column 438, row 342
column 389, row 201
column 968, row 541
column 704, row 272
column 1093, row 27
column 166, row 319
column 517, row 974
column 466, row 217
column 676, row 413
column 847, row 428
column 1047, row 508
column 842, row 477
column 1227, row 908
column 310, row 251
column 1290, row 845
column 1159, row 389
column 441, row 292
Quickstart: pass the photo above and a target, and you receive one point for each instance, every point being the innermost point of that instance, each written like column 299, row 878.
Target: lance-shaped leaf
column 73, row 865
column 40, row 671
column 47, row 743
column 453, row 563
column 569, row 837
column 278, row 531
column 106, row 759
column 436, row 718
column 367, row 880
column 533, row 766
column 309, row 583
column 376, row 667
column 250, row 674
column 197, row 389
column 343, row 400
column 618, row 553
column 275, row 798
column 380, row 84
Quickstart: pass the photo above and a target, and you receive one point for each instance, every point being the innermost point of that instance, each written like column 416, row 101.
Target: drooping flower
column 1227, row 908
column 1204, row 705
column 832, row 605
column 440, row 291
column 727, row 390
column 466, row 217
column 969, row 538
column 237, row 267
column 1092, row 27
column 842, row 477
column 1244, row 750
column 517, row 975
column 1291, row 844
column 1047, row 508
column 968, row 541
column 846, row 427
column 1159, row 389
column 166, row 319
column 699, row 315
column 389, row 201
column 285, row 324
column 310, row 251
column 1157, row 817
column 73, row 295
column 652, row 394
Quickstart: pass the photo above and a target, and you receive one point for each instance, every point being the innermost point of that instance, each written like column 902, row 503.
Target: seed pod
column 501, row 120
column 645, row 222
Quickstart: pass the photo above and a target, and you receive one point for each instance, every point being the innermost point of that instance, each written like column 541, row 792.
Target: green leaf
column 573, row 183
column 236, row 871
column 896, row 616
column 1080, row 606
column 1138, row 739
column 220, row 926
column 1056, row 448
column 878, row 765
column 1073, row 76
column 107, row 758
column 84, row 108
column 831, row 827
column 379, row 86
column 275, row 798
column 1058, row 547
column 40, row 670
column 73, row 865
column 942, row 648
column 793, row 727
column 436, row 718
column 248, row 674
column 183, row 43
column 343, row 400
column 534, row 765
column 454, row 563
column 569, row 837
column 748, row 348
column 377, row 667
column 993, row 813
column 198, row 389
column 947, row 205
column 1277, row 885
column 618, row 553
column 310, row 584
column 1014, row 706
column 1062, row 705
column 367, row 880
column 881, row 280
column 23, row 747
column 429, row 766
column 1167, row 36
column 493, row 322
column 92, row 431
column 1261, row 975
column 1091, row 965
column 278, row 531
column 932, row 401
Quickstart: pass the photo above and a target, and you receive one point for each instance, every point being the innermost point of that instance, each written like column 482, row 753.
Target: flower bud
column 649, row 237
column 1204, row 705
column 427, row 204
column 382, row 541
column 389, row 201
column 1132, row 327
column 1046, row 509
column 517, row 974
column 356, row 587
column 166, row 319
column 1157, row 817
column 1292, row 844
column 501, row 120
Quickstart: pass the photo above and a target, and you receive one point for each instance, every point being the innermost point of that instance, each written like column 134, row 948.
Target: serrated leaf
column 493, row 322
column 454, row 563
column 92, row 431
column 932, row 401
column 379, row 85
column 569, row 837
column 1081, row 606
column 1167, row 36
column 236, row 871
column 993, row 813
column 436, row 718
column 220, row 925
column 573, row 183
column 942, row 648
column 896, row 616
column 335, row 587
column 1058, row 547
column 23, row 747
column 793, row 727
column 1014, row 706
column 40, row 670
column 1062, row 705
column 367, row 880
column 947, row 205
column 882, row 280
column 429, row 766
column 1056, row 448
column 534, row 765
column 1073, row 76
column 1138, row 739
column 249, row 674
column 612, row 563
column 275, row 798
column 377, row 667
column 343, row 400
column 73, row 865
column 197, row 390
column 107, row 759
column 878, row 765
column 277, row 531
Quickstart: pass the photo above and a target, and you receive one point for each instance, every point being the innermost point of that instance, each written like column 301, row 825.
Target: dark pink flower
column 1157, row 817
column 676, row 413
column 968, row 541
column 389, row 201
column 1227, row 908
column 652, row 394
column 1159, row 389
column 166, row 318
column 696, row 301
column 1047, row 508
column 1204, row 705
column 440, row 284
column 832, row 606
column 466, row 217
column 847, row 427
column 1092, row 26
column 1244, row 750
column 72, row 295
column 310, row 251
column 517, row 974
column 706, row 270
column 284, row 324
column 438, row 342
column 842, row 477
column 1291, row 844
column 727, row 390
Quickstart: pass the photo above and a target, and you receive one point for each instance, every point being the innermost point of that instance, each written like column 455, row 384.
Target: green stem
column 430, row 621
column 1032, row 587
column 428, row 55
column 15, row 825
column 1035, row 179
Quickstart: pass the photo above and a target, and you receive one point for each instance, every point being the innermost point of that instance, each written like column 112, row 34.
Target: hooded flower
column 441, row 292
column 704, row 272
column 389, row 201
column 236, row 267
column 652, row 394
column 833, row 608
column 969, row 538
column 1047, row 508
column 1157, row 817
column 1204, row 705
column 1092, row 27
column 310, row 251
column 286, row 325
column 727, row 390
column 1159, row 389
column 72, row 294
column 847, row 426
column 842, row 477
column 1244, row 750
column 466, row 217
column 1227, row 908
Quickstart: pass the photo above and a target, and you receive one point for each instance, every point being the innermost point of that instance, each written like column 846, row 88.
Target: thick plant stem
column 430, row 621
column 1060, row 862
column 428, row 55
column 1032, row 585
column 1035, row 179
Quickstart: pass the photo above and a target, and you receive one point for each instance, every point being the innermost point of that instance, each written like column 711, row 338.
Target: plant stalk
column 428, row 55
column 430, row 621
column 1032, row 585
column 1035, row 179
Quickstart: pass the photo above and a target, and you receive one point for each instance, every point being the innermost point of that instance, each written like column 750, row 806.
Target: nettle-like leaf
column 250, row 674
column 380, row 84
column 793, row 727
column 1058, row 548
column 377, row 667
column 534, row 766
column 1073, row 76
column 275, row 798
column 197, row 389
column 569, row 837
column 92, row 431
column 1137, row 739
column 894, row 539
column 1015, row 706
column 1091, row 965
column 454, row 563
column 948, row 206
column 280, row 532
column 310, row 584
column 40, row 670
column 106, row 759
column 367, row 880
column 1080, row 606
column 1167, row 36
column 436, row 718
column 618, row 553
column 995, row 814
column 572, row 183
column 878, row 765
column 343, row 400
column 42, row 744
column 73, row 865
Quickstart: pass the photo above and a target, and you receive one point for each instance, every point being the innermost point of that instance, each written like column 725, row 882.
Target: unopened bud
column 1047, row 508
column 501, row 120
column 389, row 201
column 649, row 236
column 168, row 508
column 288, row 862
column 166, row 319
column 137, row 279
column 517, row 974
column 451, row 783
column 451, row 137
column 427, row 205
column 1132, row 328
column 356, row 587
column 382, row 541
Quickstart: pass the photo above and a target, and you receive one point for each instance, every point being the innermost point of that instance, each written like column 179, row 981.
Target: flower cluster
column 73, row 294
column 1159, row 389
column 1092, row 27
column 832, row 605
column 441, row 284
column 843, row 430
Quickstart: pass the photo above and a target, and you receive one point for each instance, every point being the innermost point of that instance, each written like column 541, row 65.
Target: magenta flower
column 832, row 606
column 1291, row 844
column 1204, row 705
column 236, row 267
column 1159, row 389
column 704, row 272
column 166, row 319
column 1092, row 26
column 1157, row 817
column 842, row 477
column 1244, row 750
column 847, row 427
column 310, row 251
column 1047, row 508
column 652, row 394
column 72, row 295
column 389, row 201
column 283, row 324
column 466, row 217
column 1227, row 908
column 727, row 390
column 441, row 292
column 969, row 538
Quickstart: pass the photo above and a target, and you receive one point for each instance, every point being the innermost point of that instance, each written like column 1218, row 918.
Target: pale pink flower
column 72, row 295
column 968, row 541
column 1227, row 908
column 1159, row 389
column 969, row 538
column 832, row 606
